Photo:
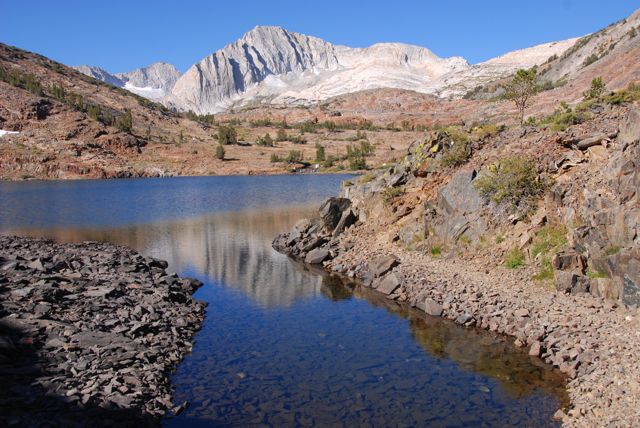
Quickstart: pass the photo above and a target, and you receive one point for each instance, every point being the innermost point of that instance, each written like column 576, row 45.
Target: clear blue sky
column 121, row 36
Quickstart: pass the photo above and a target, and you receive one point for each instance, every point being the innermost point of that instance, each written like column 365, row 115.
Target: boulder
column 571, row 282
column 459, row 193
column 299, row 229
column 316, row 256
column 389, row 284
column 348, row 218
column 382, row 265
column 535, row 349
column 331, row 212
column 314, row 243
column 630, row 127
column 568, row 260
column 429, row 306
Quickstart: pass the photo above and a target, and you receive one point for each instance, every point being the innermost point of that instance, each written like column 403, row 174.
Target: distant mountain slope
column 152, row 82
column 270, row 65
column 275, row 65
column 100, row 74
column 589, row 50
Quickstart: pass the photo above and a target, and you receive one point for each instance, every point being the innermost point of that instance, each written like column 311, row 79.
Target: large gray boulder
column 331, row 212
column 429, row 306
column 630, row 128
column 347, row 218
column 459, row 193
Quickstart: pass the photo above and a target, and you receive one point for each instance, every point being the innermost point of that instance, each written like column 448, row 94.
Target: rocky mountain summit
column 273, row 64
column 150, row 82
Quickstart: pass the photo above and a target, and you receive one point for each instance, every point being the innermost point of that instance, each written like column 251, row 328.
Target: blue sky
column 121, row 36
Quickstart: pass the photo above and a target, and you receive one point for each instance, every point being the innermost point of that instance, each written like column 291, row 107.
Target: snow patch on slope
column 147, row 92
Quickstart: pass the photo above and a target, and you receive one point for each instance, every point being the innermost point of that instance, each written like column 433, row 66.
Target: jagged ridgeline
column 281, row 67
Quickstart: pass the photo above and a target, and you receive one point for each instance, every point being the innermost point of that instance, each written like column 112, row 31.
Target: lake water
column 283, row 345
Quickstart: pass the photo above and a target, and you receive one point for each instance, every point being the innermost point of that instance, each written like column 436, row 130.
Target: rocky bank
column 422, row 235
column 89, row 334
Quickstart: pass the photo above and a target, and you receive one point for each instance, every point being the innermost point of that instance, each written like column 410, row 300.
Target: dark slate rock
column 331, row 212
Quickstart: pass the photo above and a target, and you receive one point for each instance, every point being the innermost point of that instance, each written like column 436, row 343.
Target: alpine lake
column 284, row 344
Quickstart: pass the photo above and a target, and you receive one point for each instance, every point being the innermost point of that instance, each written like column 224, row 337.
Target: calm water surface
column 283, row 345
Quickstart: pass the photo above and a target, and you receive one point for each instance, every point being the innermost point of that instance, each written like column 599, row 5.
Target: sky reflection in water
column 283, row 345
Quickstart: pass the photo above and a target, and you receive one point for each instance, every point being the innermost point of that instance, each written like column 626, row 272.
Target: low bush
column 549, row 240
column 512, row 186
column 390, row 193
column 514, row 259
column 436, row 251
column 610, row 250
column 367, row 178
column 457, row 151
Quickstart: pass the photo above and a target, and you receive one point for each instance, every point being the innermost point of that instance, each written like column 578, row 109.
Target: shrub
column 274, row 158
column 628, row 95
column 367, row 178
column 220, row 152
column 597, row 274
column 513, row 185
column 514, row 259
column 457, row 151
column 610, row 250
column 329, row 162
column 597, row 89
column 390, row 193
column 125, row 122
column 366, row 148
column 549, row 238
column 265, row 141
column 94, row 112
column 546, row 272
column 487, row 130
column 436, row 251
column 227, row 135
column 320, row 155
column 297, row 139
column 294, row 156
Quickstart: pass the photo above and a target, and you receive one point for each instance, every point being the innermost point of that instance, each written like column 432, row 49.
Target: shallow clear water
column 283, row 345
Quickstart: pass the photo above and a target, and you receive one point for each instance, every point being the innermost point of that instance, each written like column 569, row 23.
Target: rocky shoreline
column 89, row 334
column 593, row 341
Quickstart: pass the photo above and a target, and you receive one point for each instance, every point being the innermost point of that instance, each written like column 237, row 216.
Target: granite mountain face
column 271, row 65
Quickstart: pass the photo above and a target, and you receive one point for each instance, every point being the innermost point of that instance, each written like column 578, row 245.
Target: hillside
column 60, row 133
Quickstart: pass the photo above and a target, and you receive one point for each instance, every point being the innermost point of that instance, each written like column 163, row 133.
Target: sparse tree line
column 74, row 100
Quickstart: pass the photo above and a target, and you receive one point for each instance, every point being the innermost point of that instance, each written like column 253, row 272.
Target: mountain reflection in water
column 285, row 344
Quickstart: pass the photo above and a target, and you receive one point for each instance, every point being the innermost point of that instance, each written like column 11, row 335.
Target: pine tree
column 220, row 152
column 521, row 91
